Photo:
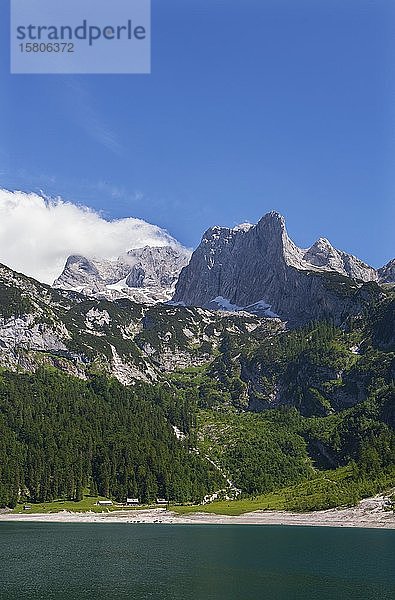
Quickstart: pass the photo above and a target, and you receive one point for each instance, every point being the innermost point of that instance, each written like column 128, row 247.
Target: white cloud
column 38, row 234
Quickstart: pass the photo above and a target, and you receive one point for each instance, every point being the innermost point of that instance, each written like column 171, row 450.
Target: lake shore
column 369, row 513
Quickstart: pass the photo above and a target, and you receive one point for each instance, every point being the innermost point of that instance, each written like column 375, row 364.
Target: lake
column 65, row 561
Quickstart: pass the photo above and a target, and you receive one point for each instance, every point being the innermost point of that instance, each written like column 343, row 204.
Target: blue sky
column 252, row 105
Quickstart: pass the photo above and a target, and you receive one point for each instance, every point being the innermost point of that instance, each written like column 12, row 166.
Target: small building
column 104, row 503
column 26, row 507
column 132, row 501
column 161, row 501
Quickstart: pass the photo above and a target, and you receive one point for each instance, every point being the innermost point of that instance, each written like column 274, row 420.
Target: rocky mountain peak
column 322, row 245
column 256, row 268
column 76, row 271
column 323, row 254
column 261, row 269
column 272, row 220
column 217, row 233
column 155, row 266
column 387, row 273
column 271, row 231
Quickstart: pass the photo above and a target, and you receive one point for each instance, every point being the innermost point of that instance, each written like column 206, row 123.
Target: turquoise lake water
column 66, row 561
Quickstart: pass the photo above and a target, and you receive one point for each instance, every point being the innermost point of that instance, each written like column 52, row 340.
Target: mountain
column 212, row 404
column 126, row 399
column 387, row 273
column 251, row 268
column 257, row 268
column 323, row 254
column 144, row 274
column 45, row 327
column 42, row 326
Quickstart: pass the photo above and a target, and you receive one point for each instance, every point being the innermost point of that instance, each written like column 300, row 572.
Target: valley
column 107, row 397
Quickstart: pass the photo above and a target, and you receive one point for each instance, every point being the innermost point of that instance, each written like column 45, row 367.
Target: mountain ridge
column 259, row 263
column 145, row 274
column 251, row 268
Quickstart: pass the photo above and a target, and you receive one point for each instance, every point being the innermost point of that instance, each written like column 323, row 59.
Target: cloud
column 37, row 234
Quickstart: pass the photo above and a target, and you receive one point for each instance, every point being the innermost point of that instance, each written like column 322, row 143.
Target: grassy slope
column 329, row 489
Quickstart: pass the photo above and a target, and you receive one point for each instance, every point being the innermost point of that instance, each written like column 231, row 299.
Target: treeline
column 60, row 435
column 289, row 367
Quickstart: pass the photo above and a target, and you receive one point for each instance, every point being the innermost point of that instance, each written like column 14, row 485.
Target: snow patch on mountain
column 260, row 308
column 147, row 275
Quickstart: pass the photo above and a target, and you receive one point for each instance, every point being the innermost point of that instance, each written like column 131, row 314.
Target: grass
column 87, row 504
column 273, row 501
column 329, row 489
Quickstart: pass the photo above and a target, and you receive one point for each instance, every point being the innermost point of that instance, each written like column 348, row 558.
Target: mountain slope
column 225, row 400
column 80, row 335
column 59, row 436
column 314, row 405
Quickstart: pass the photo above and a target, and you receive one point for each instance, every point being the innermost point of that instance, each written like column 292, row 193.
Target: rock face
column 387, row 273
column 259, row 269
column 144, row 274
column 323, row 254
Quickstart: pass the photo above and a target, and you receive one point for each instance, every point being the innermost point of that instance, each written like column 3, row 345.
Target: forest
column 60, row 435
